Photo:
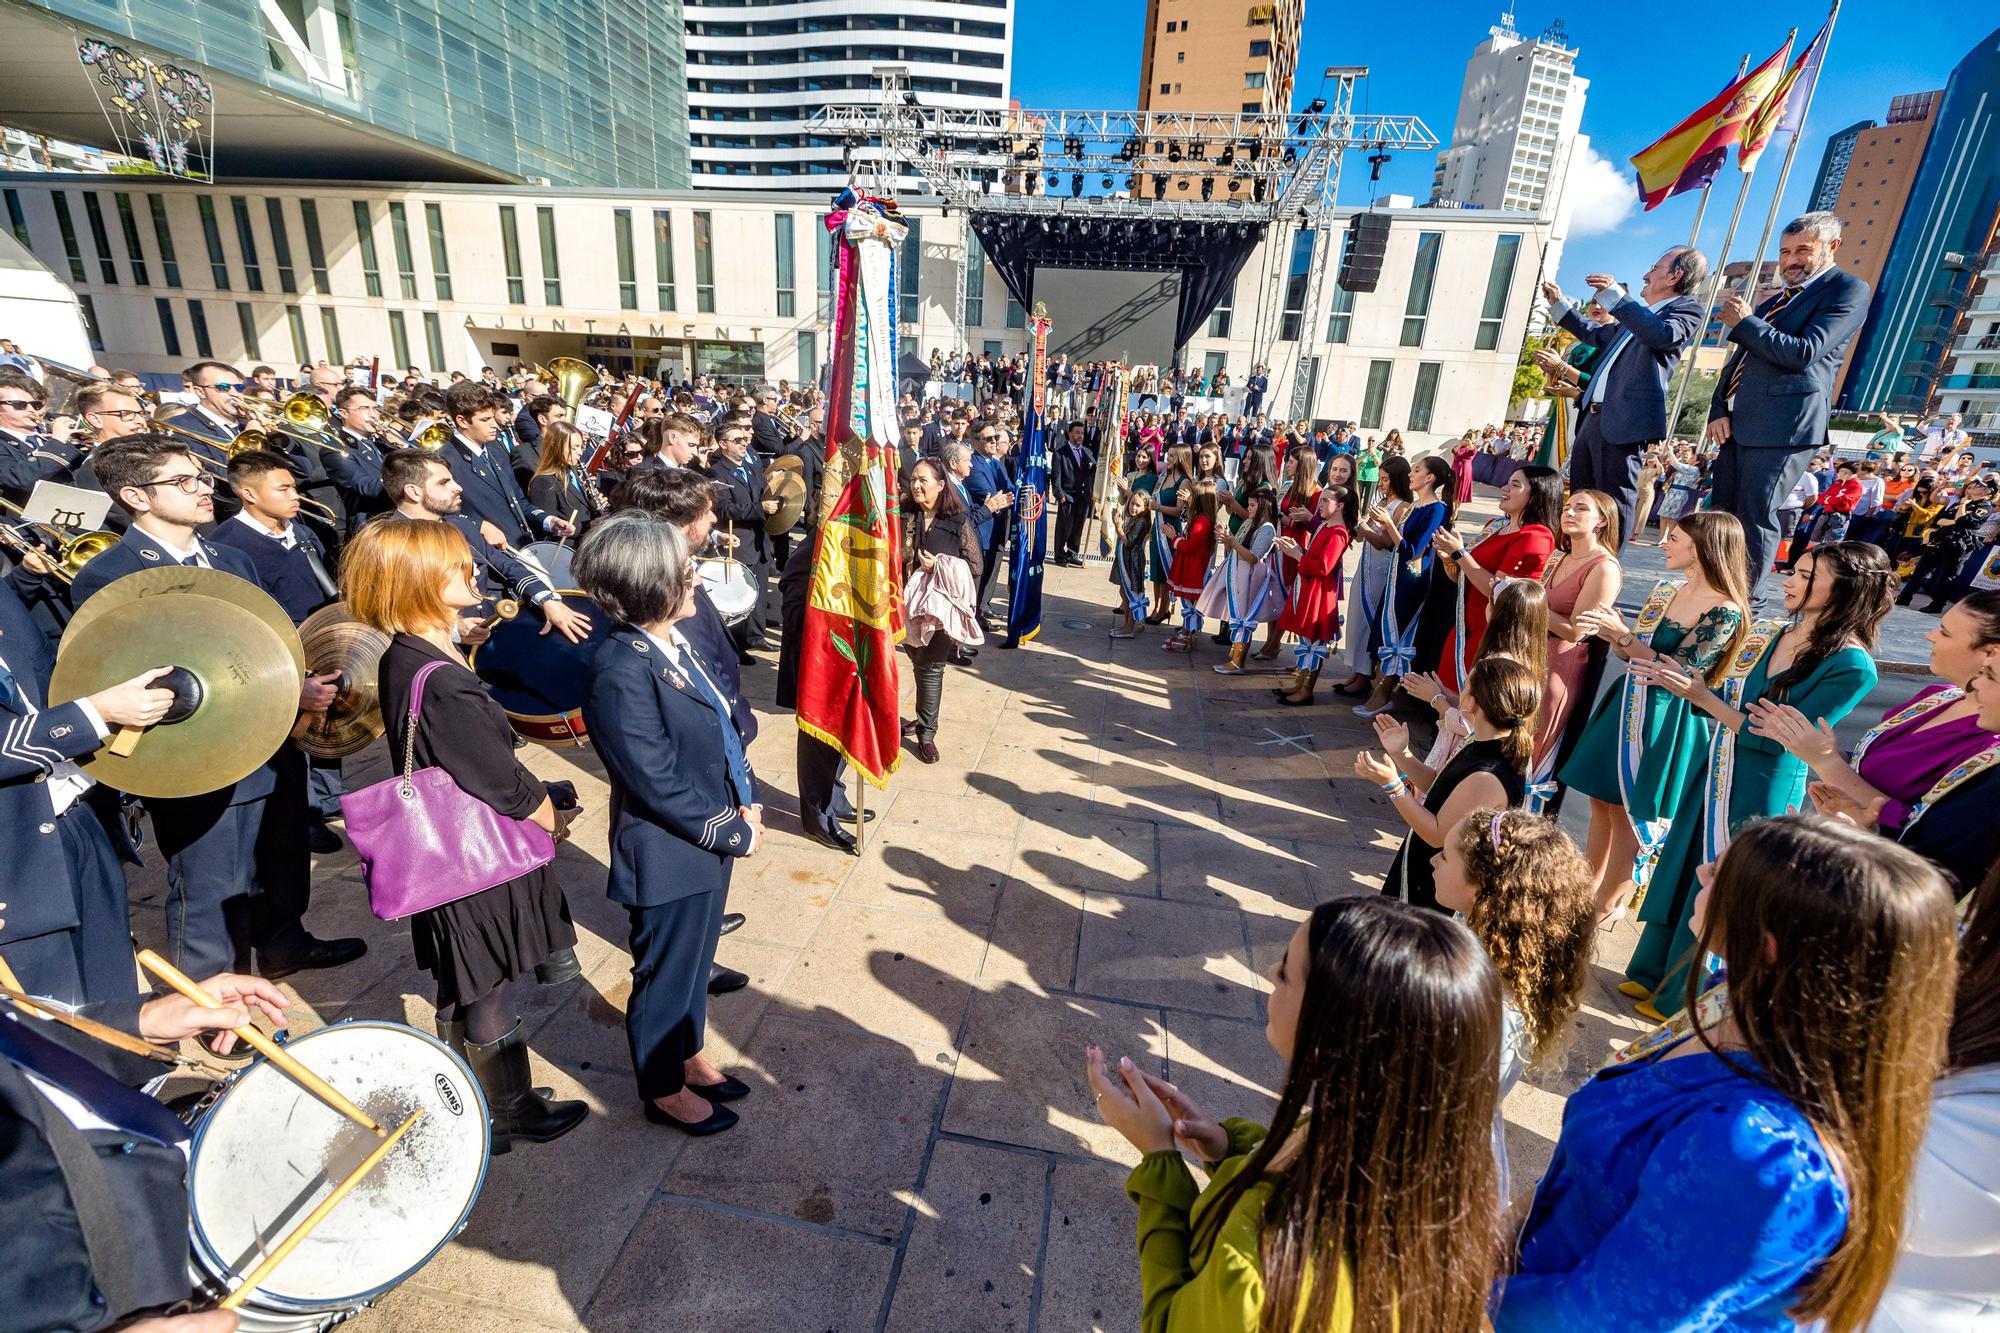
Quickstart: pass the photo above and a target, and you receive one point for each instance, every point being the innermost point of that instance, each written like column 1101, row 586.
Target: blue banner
column 1031, row 497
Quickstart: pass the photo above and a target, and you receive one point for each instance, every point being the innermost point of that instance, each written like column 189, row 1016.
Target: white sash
column 1632, row 738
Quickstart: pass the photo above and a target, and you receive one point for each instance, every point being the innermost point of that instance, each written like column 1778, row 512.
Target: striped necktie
column 1735, row 379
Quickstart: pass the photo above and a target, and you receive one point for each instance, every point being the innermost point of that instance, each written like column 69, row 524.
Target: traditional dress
column 1189, row 570
column 1128, row 562
column 1244, row 594
column 1395, row 633
column 1571, row 673
column 1301, row 533
column 1520, row 554
column 1365, row 600
column 1411, row 875
column 1312, row 608
column 1745, row 776
column 1461, row 471
column 1644, row 748
column 1166, row 527
column 1941, row 781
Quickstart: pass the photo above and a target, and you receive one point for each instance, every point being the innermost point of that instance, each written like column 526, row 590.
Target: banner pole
column 1785, row 171
column 860, row 812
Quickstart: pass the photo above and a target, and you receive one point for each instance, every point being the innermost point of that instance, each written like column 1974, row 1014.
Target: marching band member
column 480, row 466
column 27, row 453
column 216, row 415
column 560, row 484
column 357, row 473
column 743, row 507
column 238, row 875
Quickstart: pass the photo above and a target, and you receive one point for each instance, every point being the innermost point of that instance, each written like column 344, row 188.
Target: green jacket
column 1218, row 1288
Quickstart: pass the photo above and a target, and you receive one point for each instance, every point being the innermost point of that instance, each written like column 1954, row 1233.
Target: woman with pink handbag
column 461, row 840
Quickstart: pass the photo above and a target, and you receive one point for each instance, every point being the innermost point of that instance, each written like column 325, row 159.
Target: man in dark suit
column 527, row 426
column 216, row 416
column 1624, row 407
column 824, row 806
column 1179, row 430
column 357, row 470
column 1072, row 473
column 742, row 508
column 27, row 453
column 988, row 480
column 238, row 869
column 1770, row 408
column 767, row 437
column 482, row 468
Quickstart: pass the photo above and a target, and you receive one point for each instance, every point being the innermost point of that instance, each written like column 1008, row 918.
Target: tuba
column 573, row 378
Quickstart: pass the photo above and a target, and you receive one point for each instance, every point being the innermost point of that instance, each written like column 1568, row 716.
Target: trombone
column 76, row 547
column 250, row 439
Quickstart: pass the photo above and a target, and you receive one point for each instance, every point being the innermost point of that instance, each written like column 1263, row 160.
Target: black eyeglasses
column 192, row 484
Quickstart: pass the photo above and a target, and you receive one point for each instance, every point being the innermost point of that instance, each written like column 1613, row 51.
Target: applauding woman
column 1367, row 1203
column 1515, row 546
column 683, row 808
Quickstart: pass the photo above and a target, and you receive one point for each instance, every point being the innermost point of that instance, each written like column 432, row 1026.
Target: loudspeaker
column 1361, row 257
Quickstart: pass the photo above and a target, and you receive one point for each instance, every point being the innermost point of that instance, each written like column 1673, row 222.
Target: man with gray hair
column 1624, row 404
column 1772, row 402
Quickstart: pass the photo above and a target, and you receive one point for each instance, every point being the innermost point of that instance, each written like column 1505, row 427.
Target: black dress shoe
column 719, row 1119
column 964, row 656
column 838, row 839
column 729, row 1090
column 321, row 840
column 744, row 659
column 317, row 954
column 910, row 727
column 722, row 980
column 730, row 921
column 927, row 752
column 867, row 816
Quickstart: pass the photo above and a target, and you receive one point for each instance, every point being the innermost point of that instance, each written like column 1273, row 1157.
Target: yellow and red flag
column 854, row 613
column 1689, row 155
column 1785, row 108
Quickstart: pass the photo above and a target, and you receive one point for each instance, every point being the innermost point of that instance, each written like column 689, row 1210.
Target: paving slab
column 1170, row 953
column 1090, row 1281
column 899, row 974
column 971, row 1259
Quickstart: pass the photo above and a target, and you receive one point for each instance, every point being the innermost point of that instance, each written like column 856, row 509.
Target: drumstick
column 504, row 609
column 298, row 1233
column 271, row 1051
column 96, row 1031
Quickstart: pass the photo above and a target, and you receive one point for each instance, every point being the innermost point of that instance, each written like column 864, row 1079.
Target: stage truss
column 1084, row 171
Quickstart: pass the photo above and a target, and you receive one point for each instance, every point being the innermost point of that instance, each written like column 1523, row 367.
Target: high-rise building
column 756, row 73
column 1875, row 182
column 1220, row 55
column 1833, row 166
column 574, row 92
column 1945, row 234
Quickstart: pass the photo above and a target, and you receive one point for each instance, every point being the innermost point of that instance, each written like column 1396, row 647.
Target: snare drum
column 729, row 586
column 265, row 1152
column 552, row 560
column 539, row 680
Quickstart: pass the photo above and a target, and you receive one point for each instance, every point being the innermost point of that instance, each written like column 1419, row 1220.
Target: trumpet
column 75, row 547
column 242, row 444
column 430, row 437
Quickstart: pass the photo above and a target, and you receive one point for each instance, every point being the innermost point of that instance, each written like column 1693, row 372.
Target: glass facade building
column 580, row 92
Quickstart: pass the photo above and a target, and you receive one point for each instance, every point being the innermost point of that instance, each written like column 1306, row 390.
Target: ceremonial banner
column 854, row 613
column 1689, row 155
column 1111, row 420
column 1031, row 495
column 1785, row 108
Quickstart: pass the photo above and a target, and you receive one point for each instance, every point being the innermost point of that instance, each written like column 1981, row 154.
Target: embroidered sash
column 1909, row 712
column 1492, row 527
column 1632, row 738
column 1722, row 746
column 1957, row 777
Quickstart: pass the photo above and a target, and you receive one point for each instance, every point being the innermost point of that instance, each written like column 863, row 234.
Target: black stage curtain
column 1204, row 285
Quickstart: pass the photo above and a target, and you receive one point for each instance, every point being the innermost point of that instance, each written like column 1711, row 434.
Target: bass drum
column 729, row 586
column 265, row 1151
column 552, row 560
column 539, row 680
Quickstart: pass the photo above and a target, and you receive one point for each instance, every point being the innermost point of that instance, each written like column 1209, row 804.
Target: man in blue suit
column 990, row 490
column 479, row 463
column 357, row 472
column 1770, row 409
column 1624, row 406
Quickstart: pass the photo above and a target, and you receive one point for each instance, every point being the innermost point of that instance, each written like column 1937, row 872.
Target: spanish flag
column 1688, row 156
column 1785, row 108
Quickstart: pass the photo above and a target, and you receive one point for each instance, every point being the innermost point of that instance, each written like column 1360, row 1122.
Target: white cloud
column 1600, row 194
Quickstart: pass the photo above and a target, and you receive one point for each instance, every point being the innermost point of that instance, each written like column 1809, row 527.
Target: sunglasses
column 227, row 386
column 24, row 404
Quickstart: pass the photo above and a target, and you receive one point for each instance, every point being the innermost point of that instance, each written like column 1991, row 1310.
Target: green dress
column 1768, row 780
column 1166, row 492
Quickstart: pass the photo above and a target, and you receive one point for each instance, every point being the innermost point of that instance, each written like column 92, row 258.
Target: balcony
column 1970, row 382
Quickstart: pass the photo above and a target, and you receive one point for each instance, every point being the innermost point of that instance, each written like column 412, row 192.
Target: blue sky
column 1647, row 67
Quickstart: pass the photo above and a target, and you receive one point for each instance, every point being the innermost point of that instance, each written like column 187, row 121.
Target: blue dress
column 1683, row 1195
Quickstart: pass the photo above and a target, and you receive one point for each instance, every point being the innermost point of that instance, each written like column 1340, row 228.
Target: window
column 169, row 335
column 1376, row 394
column 295, row 318
column 163, row 236
column 975, row 280
column 993, row 347
column 198, row 321
column 315, row 249
column 1259, row 48
column 628, row 275
column 1252, row 108
column 90, row 322
column 1212, row 362
column 399, row 338
column 440, row 261
column 99, row 237
column 329, row 323
column 246, row 325
column 1425, row 398
column 510, row 246
column 434, row 340
column 1254, row 79
column 246, row 241
column 1180, row 57
column 663, row 258
column 909, row 272
column 371, row 267
column 787, row 293
column 1017, row 318
column 808, row 358
column 1295, row 285
column 1166, row 87
column 15, row 217
column 67, row 226
column 823, row 260
column 281, row 244
column 1340, row 321
column 1423, row 276
column 1506, row 253
column 545, row 227
column 704, row 263
column 406, row 261
column 1219, row 319
column 135, row 254
column 218, row 265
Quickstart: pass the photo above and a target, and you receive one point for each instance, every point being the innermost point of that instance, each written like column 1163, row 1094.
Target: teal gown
column 1768, row 780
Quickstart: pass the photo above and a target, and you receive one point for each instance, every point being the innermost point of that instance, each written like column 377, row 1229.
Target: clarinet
column 592, row 496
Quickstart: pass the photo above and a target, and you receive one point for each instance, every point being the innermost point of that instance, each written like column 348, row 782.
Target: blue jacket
column 492, row 493
column 286, row 574
column 674, row 821
column 1634, row 399
column 357, row 476
column 710, row 637
column 988, row 478
column 1790, row 363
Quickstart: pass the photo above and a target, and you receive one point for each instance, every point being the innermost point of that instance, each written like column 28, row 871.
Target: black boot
column 451, row 1031
column 517, row 1113
column 930, row 698
column 558, row 967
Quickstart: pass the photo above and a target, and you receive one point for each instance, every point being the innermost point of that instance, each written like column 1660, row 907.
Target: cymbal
column 177, row 580
column 784, row 463
column 240, row 678
column 788, row 488
column 335, row 641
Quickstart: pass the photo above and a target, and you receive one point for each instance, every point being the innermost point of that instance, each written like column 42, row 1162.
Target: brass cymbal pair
column 784, row 481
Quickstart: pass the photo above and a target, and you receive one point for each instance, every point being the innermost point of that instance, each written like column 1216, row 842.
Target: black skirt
column 479, row 943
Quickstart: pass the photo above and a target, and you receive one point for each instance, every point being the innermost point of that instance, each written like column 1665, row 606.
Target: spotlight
column 1045, row 224
column 1256, row 149
column 1208, row 187
column 1228, row 155
column 1130, row 150
column 1377, row 161
column 1198, row 151
column 1291, row 155
column 1132, row 181
column 1159, row 185
column 1180, row 183
column 1314, row 107
column 1235, row 184
column 1107, row 182
column 1174, row 153
column 1054, row 180
column 909, row 97
column 1076, row 184
column 1260, row 189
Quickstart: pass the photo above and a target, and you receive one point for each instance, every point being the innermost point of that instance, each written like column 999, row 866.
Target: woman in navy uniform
column 683, row 806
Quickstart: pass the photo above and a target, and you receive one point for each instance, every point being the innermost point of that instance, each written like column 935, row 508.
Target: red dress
column 1192, row 553
column 1461, row 470
column 1512, row 555
column 1313, row 610
column 1298, row 532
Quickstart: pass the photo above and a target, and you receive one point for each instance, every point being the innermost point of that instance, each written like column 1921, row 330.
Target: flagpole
column 1701, row 205
column 1785, row 171
column 1708, row 303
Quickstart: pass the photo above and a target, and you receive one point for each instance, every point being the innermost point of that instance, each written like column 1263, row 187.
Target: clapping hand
column 1790, row 728
column 1424, row 686
column 1195, row 1130
column 1447, row 543
column 1548, row 362
column 1285, row 546
column 1395, row 737
column 1604, row 622
column 1128, row 1103
column 1377, row 770
column 1670, row 676
column 1834, row 803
